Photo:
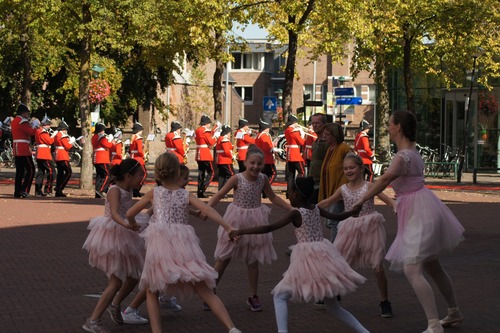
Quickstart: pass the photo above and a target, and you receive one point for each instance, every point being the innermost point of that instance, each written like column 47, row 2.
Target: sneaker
column 386, row 309
column 169, row 303
column 134, row 318
column 115, row 314
column 254, row 303
column 94, row 327
column 205, row 307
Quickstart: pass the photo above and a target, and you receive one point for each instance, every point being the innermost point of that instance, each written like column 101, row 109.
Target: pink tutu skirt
column 114, row 249
column 317, row 270
column 250, row 248
column 174, row 260
column 426, row 227
column 361, row 240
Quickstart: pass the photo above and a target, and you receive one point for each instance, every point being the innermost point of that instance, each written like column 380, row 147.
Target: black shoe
column 21, row 195
column 386, row 309
column 137, row 194
column 60, row 195
column 202, row 195
column 41, row 194
column 98, row 194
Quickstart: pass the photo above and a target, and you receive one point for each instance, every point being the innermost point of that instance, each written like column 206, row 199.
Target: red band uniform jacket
column 21, row 136
column 175, row 145
column 43, row 144
column 204, row 141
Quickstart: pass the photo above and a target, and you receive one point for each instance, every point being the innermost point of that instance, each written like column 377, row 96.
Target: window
column 247, row 61
column 367, row 93
column 246, row 93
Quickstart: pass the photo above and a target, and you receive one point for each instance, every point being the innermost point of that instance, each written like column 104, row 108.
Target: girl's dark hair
column 254, row 150
column 336, row 131
column 408, row 123
column 183, row 169
column 127, row 166
column 303, row 185
column 356, row 158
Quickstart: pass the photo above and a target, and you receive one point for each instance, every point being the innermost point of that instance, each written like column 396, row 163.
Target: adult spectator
column 318, row 153
column 332, row 171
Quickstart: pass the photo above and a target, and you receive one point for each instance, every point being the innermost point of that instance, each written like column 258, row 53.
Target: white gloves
column 302, row 133
column 277, row 150
column 217, row 134
column 188, row 140
column 35, row 123
column 72, row 140
column 110, row 137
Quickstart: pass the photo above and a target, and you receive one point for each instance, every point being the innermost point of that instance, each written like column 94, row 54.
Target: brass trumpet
column 305, row 129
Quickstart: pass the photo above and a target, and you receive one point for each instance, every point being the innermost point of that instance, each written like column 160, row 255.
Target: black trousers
column 226, row 171
column 270, row 171
column 101, row 177
column 205, row 175
column 46, row 168
column 292, row 168
column 25, row 172
column 64, row 173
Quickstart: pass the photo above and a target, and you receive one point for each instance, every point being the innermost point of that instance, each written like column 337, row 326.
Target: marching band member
column 225, row 157
column 137, row 153
column 307, row 151
column 205, row 139
column 362, row 148
column 243, row 140
column 174, row 143
column 63, row 143
column 294, row 141
column 22, row 131
column 265, row 143
column 117, row 150
column 101, row 145
column 44, row 140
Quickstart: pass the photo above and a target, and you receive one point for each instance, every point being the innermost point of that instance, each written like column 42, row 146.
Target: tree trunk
column 217, row 82
column 86, row 174
column 293, row 39
column 26, row 62
column 407, row 72
column 382, row 145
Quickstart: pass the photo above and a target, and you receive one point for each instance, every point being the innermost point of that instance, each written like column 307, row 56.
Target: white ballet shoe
column 434, row 326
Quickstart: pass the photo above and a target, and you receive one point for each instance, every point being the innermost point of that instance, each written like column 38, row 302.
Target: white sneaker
column 134, row 318
column 169, row 304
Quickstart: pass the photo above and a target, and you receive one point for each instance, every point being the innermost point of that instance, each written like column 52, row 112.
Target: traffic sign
column 344, row 91
column 349, row 101
column 270, row 103
column 313, row 103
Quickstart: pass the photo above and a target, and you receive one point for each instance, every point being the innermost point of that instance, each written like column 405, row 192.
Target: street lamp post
column 279, row 93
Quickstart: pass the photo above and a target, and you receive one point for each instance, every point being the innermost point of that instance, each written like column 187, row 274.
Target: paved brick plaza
column 45, row 276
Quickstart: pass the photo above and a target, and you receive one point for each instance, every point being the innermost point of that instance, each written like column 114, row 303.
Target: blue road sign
column 270, row 103
column 344, row 91
column 349, row 101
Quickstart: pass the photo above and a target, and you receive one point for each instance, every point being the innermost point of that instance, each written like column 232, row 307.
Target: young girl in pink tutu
column 361, row 239
column 114, row 245
column 247, row 211
column 317, row 270
column 175, row 263
column 426, row 227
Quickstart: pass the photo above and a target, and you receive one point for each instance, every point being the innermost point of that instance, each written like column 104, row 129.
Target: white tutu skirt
column 361, row 240
column 317, row 270
column 250, row 248
column 426, row 227
column 114, row 249
column 174, row 260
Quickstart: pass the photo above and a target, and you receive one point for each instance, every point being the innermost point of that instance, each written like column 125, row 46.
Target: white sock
column 128, row 310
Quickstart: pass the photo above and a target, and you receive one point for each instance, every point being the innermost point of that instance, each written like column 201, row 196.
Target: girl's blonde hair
column 167, row 167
